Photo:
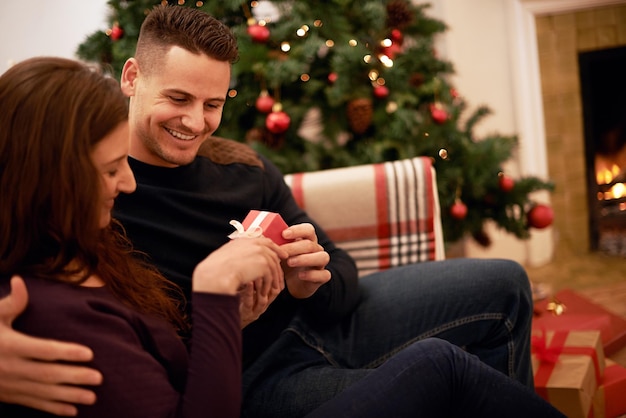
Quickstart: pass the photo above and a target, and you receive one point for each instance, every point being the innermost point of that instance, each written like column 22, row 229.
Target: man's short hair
column 191, row 29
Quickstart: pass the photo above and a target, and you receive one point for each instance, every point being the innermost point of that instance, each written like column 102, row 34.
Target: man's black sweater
column 177, row 216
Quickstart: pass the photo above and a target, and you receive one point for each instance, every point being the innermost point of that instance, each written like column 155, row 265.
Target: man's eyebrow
column 176, row 91
column 189, row 95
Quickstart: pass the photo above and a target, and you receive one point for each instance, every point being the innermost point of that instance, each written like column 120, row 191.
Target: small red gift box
column 568, row 367
column 257, row 223
column 609, row 400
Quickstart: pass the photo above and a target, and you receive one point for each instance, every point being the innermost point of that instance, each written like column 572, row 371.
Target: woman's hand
column 239, row 262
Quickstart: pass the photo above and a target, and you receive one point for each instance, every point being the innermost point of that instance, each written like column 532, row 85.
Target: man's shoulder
column 227, row 151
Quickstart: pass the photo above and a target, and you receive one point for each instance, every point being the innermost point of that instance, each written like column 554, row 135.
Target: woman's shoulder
column 57, row 309
column 57, row 293
column 44, row 288
column 88, row 315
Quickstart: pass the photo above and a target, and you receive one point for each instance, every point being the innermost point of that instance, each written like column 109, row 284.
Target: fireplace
column 563, row 32
column 603, row 93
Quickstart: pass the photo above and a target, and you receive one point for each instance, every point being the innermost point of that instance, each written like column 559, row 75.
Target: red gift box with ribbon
column 571, row 311
column 610, row 400
column 568, row 367
column 260, row 222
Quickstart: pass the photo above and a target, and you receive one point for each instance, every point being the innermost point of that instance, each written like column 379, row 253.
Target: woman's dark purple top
column 147, row 369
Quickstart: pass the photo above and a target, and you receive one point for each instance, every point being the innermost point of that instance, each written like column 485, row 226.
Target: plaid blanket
column 384, row 215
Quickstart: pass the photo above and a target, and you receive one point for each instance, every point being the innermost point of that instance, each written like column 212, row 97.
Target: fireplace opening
column 603, row 90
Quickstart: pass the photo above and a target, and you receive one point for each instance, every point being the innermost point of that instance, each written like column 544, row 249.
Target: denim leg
column 482, row 305
column 292, row 377
column 433, row 378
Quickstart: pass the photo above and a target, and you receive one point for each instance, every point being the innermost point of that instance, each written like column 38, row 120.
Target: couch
column 384, row 215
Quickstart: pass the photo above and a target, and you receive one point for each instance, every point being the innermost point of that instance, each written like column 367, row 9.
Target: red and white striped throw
column 384, row 215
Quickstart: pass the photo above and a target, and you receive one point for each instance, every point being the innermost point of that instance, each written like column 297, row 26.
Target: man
column 327, row 330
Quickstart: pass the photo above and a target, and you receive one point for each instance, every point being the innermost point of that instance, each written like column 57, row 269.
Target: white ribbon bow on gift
column 253, row 231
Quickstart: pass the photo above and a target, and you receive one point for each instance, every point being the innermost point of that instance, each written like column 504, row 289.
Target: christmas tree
column 344, row 82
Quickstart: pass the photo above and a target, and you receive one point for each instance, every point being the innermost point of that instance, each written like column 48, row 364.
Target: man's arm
column 337, row 297
column 30, row 372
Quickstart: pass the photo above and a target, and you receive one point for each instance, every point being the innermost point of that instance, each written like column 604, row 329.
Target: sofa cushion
column 384, row 215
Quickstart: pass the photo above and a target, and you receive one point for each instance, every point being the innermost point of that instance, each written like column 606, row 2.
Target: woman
column 63, row 160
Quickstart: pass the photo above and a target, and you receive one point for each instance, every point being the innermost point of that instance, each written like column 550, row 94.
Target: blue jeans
column 433, row 378
column 484, row 306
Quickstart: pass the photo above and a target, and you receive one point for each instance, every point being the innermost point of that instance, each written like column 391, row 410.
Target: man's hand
column 305, row 269
column 30, row 374
column 254, row 302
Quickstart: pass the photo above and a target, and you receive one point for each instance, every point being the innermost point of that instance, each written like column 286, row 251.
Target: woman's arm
column 213, row 386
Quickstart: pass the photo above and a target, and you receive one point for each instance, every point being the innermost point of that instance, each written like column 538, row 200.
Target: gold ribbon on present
column 556, row 307
column 254, row 231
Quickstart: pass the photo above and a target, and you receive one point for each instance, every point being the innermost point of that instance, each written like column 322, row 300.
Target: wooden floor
column 612, row 297
column 584, row 272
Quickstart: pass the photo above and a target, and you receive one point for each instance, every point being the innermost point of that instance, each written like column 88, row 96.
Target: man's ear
column 128, row 80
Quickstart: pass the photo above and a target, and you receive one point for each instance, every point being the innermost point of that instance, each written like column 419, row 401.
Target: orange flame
column 606, row 176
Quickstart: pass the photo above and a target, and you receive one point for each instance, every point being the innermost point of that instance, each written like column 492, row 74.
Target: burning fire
column 606, row 176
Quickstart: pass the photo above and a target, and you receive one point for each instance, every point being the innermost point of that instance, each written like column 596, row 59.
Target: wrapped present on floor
column 610, row 398
column 568, row 367
column 257, row 223
column 569, row 311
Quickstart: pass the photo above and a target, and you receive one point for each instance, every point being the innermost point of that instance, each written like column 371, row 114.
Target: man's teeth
column 181, row 136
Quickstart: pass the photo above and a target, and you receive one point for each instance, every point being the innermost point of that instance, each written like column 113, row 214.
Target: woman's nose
column 127, row 183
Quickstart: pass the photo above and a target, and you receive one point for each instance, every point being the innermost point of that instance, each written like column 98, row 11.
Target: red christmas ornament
column 458, row 210
column 259, row 33
column 438, row 113
column 277, row 122
column 332, row 77
column 381, row 92
column 540, row 216
column 454, row 93
column 116, row 32
column 506, row 183
column 264, row 102
column 397, row 36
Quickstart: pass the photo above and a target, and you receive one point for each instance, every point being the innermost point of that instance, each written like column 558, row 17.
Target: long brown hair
column 54, row 111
